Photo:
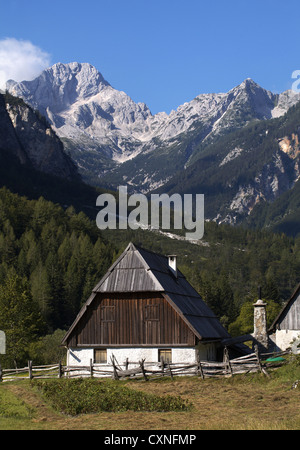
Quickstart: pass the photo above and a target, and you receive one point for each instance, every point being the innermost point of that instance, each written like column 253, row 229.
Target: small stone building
column 286, row 327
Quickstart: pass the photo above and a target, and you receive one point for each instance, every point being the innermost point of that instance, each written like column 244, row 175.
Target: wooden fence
column 146, row 370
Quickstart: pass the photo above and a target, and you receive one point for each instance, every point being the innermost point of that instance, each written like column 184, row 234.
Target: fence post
column 91, row 368
column 170, row 371
column 262, row 369
column 115, row 376
column 162, row 362
column 60, row 372
column 1, row 379
column 30, row 369
column 199, row 370
column 257, row 356
column 227, row 361
column 143, row 369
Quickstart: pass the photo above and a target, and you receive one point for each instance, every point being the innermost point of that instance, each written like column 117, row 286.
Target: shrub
column 80, row 396
column 289, row 372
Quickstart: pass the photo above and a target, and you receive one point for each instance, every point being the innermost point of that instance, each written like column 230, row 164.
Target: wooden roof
column 140, row 270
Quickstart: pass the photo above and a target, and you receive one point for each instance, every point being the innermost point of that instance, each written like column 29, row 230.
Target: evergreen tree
column 19, row 319
column 7, row 243
column 41, row 291
column 55, row 279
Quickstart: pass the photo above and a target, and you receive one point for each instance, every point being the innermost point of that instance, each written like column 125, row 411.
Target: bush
column 289, row 372
column 81, row 396
column 47, row 349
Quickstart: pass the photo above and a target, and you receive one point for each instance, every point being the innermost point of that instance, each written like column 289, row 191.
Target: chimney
column 260, row 323
column 172, row 261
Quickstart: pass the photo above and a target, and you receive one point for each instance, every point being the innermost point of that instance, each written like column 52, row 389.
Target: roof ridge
column 139, row 247
column 149, row 251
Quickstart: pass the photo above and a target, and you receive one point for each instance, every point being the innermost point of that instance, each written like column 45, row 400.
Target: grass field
column 251, row 402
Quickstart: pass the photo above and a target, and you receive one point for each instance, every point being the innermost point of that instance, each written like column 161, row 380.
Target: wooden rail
column 146, row 370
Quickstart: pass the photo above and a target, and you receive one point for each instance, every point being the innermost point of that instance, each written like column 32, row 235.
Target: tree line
column 51, row 258
column 228, row 266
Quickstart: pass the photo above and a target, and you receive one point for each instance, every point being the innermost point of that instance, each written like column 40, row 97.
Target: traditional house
column 144, row 308
column 286, row 327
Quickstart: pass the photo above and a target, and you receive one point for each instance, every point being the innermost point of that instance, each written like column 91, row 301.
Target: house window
column 108, row 313
column 152, row 312
column 100, row 356
column 166, row 355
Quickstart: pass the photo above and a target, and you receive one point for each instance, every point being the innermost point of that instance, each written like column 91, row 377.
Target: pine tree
column 8, row 243
column 55, row 279
column 41, row 291
column 19, row 319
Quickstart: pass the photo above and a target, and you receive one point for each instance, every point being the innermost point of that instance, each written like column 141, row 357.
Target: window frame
column 102, row 350
column 165, row 350
column 148, row 313
column 107, row 313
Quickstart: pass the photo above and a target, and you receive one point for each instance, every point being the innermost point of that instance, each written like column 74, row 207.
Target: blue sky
column 164, row 52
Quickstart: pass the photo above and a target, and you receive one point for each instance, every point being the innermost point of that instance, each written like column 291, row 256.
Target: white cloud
column 20, row 60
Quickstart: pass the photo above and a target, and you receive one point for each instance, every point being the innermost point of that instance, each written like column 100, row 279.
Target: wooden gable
column 138, row 286
column 131, row 319
column 289, row 316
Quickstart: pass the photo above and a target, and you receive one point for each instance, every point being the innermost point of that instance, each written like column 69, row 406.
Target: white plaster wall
column 283, row 338
column 82, row 356
column 79, row 356
column 186, row 355
column 134, row 354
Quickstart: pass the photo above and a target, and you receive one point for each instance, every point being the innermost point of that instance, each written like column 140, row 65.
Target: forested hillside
column 51, row 258
column 281, row 216
column 252, row 166
column 61, row 253
column 229, row 264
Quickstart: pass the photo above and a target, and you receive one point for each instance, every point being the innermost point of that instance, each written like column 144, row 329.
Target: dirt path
column 42, row 412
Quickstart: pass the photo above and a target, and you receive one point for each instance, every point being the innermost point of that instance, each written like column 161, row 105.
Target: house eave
column 133, row 346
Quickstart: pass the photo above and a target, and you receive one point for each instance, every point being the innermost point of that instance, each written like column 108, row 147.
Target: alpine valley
column 68, row 136
column 240, row 148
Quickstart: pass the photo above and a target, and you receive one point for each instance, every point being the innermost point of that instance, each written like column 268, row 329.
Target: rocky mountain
column 27, row 136
column 240, row 148
column 33, row 162
column 245, row 171
column 281, row 216
column 100, row 125
column 112, row 139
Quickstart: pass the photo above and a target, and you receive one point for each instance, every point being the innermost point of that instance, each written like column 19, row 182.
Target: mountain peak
column 107, row 127
column 249, row 83
column 60, row 86
column 76, row 68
